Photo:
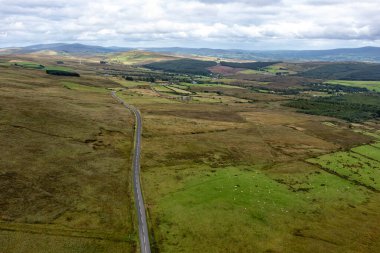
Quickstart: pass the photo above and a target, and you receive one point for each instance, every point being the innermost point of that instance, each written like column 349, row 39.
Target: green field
column 370, row 85
column 139, row 57
column 242, row 209
column 368, row 151
column 29, row 65
column 252, row 71
column 58, row 68
column 136, row 98
column 353, row 166
column 180, row 86
column 128, row 84
column 79, row 87
column 278, row 68
column 221, row 85
column 162, row 88
column 179, row 91
column 33, row 65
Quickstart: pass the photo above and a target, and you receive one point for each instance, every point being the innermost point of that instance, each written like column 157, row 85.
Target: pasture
column 352, row 166
column 232, row 178
column 370, row 85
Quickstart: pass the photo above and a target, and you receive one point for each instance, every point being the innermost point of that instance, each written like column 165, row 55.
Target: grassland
column 230, row 178
column 251, row 72
column 370, row 85
column 245, row 210
column 279, row 68
column 162, row 88
column 33, row 65
column 358, row 168
column 128, row 84
column 29, row 65
column 231, row 170
column 58, row 68
column 64, row 176
column 80, row 87
column 139, row 57
column 218, row 85
column 144, row 96
column 368, row 151
column 179, row 90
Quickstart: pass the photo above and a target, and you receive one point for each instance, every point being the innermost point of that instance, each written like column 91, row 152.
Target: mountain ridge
column 362, row 54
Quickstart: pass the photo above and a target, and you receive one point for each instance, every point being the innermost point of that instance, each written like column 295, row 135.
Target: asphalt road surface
column 143, row 226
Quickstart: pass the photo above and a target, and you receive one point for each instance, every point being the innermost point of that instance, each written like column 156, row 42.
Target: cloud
column 232, row 23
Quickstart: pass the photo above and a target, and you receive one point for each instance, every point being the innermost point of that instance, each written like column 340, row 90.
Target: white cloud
column 212, row 23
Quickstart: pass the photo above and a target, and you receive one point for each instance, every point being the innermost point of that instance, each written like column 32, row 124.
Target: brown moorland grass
column 65, row 166
column 193, row 177
column 217, row 177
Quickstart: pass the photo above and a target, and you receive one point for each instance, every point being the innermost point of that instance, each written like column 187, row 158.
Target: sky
column 240, row 24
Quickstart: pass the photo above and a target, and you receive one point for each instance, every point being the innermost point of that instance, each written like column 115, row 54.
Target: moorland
column 237, row 156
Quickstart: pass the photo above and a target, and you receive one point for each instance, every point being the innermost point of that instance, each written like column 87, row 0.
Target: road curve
column 143, row 225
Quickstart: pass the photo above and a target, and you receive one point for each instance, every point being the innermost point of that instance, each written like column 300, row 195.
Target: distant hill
column 6, row 51
column 364, row 54
column 69, row 49
column 45, row 52
column 345, row 71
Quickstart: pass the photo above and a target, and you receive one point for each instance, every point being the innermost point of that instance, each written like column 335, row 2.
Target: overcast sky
column 246, row 24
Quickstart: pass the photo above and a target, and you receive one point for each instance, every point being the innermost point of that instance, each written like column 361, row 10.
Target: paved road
column 143, row 226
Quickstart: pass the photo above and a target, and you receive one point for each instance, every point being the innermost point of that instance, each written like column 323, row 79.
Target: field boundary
column 79, row 233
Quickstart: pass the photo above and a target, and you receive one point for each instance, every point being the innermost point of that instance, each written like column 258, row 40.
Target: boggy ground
column 235, row 178
column 64, row 165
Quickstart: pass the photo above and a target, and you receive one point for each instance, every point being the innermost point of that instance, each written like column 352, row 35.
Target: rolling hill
column 364, row 54
column 345, row 71
column 138, row 57
column 69, row 49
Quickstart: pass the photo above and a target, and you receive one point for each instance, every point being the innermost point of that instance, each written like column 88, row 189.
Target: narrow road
column 143, row 226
